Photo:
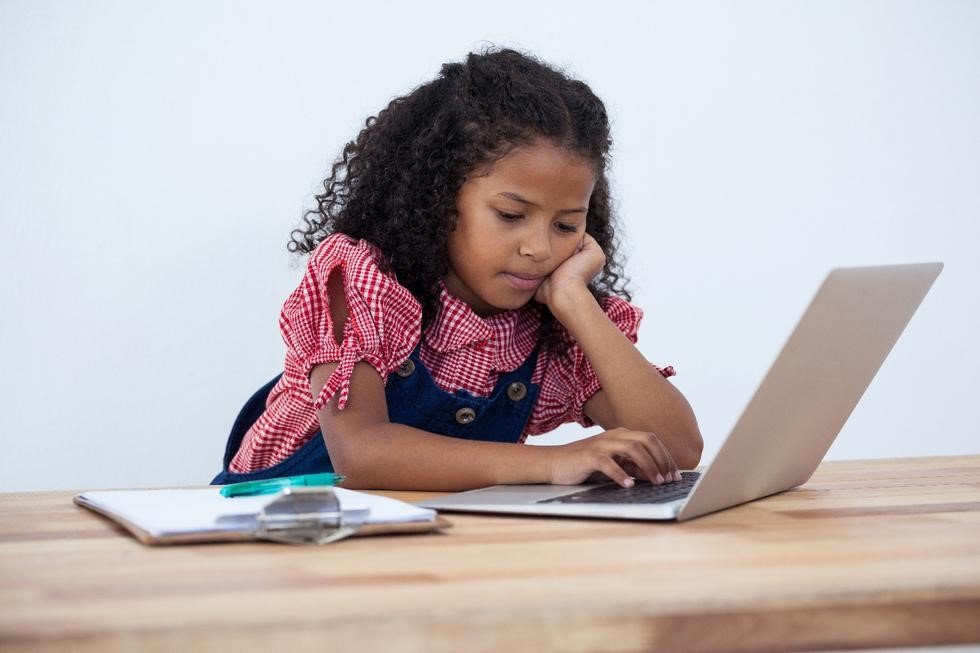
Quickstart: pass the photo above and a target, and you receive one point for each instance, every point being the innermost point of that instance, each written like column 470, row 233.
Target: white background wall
column 154, row 156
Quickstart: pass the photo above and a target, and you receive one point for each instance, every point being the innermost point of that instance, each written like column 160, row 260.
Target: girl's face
column 517, row 222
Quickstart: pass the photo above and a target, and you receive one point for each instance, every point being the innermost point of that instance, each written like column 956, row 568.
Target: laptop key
column 640, row 493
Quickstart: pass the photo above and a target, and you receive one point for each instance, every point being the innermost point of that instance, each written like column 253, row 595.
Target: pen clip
column 307, row 515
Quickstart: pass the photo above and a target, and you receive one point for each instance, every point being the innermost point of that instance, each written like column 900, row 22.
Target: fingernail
column 660, row 479
column 678, row 477
column 628, row 482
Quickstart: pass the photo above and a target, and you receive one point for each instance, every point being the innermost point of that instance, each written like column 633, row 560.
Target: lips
column 523, row 281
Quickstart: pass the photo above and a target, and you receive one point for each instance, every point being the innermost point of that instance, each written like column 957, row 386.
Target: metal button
column 465, row 415
column 516, row 391
column 405, row 369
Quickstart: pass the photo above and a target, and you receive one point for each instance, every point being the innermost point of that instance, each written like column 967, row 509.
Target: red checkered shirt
column 461, row 350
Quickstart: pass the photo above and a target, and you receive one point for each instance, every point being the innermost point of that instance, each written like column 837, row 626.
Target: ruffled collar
column 511, row 334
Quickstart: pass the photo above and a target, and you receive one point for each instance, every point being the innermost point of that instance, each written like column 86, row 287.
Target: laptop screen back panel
column 813, row 386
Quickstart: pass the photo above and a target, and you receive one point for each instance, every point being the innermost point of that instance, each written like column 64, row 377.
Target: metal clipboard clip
column 307, row 515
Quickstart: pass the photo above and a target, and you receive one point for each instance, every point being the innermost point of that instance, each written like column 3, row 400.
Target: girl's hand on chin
column 575, row 273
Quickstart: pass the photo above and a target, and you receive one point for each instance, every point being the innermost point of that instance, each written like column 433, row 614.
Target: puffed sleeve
column 383, row 318
column 570, row 381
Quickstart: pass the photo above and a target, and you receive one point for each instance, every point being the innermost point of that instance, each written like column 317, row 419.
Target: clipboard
column 297, row 515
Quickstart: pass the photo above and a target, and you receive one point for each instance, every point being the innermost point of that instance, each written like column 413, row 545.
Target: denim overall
column 415, row 400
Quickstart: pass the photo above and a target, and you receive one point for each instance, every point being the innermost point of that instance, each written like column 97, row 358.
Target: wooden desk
column 868, row 553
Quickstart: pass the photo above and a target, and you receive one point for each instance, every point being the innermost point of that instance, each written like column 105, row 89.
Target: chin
column 502, row 304
column 516, row 304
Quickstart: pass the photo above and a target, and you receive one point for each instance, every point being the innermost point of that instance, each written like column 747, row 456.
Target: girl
column 462, row 293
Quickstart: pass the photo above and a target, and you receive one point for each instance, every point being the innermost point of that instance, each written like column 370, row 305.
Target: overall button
column 516, row 391
column 465, row 415
column 405, row 369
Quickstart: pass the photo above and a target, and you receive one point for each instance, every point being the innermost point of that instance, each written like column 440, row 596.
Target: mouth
column 523, row 281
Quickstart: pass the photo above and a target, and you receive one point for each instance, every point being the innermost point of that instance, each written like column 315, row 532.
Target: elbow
column 356, row 477
column 690, row 457
column 357, row 470
column 681, row 436
column 690, row 446
column 350, row 463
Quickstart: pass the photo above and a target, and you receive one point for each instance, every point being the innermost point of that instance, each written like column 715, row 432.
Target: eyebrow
column 524, row 200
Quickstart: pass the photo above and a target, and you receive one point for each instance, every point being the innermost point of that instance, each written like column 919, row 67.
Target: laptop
column 789, row 424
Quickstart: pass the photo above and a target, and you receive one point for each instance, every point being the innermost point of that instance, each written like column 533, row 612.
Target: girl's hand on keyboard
column 620, row 454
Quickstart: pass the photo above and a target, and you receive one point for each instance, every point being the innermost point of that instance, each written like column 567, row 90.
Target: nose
column 535, row 244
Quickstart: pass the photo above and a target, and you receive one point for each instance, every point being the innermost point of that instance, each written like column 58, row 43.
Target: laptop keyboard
column 639, row 493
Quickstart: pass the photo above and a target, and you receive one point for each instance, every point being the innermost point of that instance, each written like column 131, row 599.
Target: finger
column 611, row 468
column 653, row 456
column 541, row 295
column 633, row 469
column 672, row 473
column 644, row 450
column 641, row 456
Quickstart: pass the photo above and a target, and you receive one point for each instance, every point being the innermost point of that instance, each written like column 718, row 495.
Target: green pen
column 271, row 485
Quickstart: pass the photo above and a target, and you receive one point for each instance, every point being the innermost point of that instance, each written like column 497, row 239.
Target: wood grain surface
column 867, row 554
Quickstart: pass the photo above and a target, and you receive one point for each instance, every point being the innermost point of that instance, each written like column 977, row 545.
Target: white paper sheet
column 164, row 513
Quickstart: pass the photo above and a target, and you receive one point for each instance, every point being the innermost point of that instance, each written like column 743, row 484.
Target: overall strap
column 413, row 398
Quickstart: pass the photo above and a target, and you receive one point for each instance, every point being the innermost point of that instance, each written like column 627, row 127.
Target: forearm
column 637, row 395
column 397, row 457
column 374, row 453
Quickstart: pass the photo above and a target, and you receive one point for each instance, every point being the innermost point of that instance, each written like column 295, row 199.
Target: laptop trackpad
column 507, row 494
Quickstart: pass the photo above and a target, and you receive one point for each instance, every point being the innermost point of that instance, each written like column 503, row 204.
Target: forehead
column 540, row 170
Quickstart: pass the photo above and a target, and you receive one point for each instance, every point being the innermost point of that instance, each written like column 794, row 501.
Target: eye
column 509, row 217
column 565, row 228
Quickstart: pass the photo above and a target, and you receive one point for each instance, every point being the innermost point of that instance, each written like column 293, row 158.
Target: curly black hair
column 396, row 184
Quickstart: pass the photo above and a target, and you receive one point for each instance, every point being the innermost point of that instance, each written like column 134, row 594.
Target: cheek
column 566, row 247
column 464, row 256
